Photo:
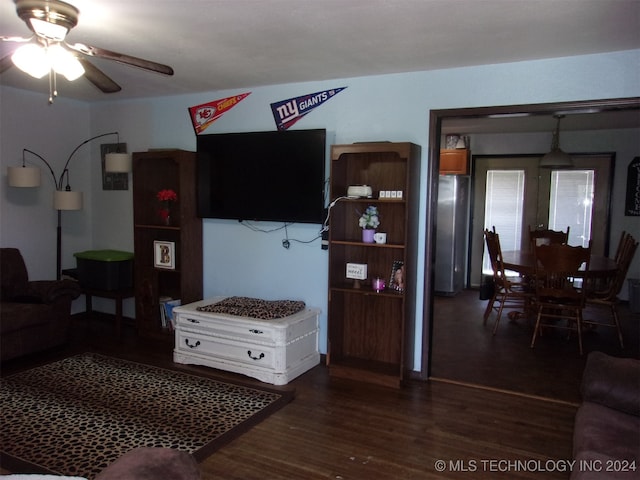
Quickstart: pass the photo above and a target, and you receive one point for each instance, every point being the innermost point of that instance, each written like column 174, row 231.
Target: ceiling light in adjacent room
column 556, row 158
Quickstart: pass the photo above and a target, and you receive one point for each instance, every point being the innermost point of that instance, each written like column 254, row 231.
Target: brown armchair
column 34, row 315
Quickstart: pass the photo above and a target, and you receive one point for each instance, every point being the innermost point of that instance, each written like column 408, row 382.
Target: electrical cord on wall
column 261, row 230
column 325, row 225
column 286, row 242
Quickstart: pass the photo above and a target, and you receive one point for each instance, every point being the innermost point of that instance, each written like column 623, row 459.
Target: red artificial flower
column 167, row 196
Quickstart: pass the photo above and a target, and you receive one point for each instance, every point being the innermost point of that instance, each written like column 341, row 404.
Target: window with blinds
column 504, row 209
column 571, row 204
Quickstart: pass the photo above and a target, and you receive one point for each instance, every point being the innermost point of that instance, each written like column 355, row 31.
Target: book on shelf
column 167, row 304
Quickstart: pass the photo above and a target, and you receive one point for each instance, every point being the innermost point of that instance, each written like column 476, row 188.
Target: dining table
column 524, row 262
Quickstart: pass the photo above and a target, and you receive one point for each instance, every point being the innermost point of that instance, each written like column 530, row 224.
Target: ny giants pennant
column 288, row 112
column 202, row 116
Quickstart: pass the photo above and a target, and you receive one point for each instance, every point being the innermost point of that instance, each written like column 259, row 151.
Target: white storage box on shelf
column 274, row 351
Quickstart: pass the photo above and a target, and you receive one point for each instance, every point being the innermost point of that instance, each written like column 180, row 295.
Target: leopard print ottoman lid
column 255, row 307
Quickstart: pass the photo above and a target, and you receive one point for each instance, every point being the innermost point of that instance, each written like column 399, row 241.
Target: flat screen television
column 274, row 176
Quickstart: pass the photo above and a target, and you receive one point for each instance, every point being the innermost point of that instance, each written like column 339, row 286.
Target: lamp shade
column 67, row 200
column 23, row 176
column 117, row 162
column 556, row 159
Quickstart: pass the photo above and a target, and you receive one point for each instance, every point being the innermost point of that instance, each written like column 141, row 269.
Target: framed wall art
column 632, row 203
column 164, row 254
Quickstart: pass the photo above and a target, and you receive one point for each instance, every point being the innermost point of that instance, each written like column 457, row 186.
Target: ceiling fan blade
column 5, row 62
column 126, row 59
column 98, row 77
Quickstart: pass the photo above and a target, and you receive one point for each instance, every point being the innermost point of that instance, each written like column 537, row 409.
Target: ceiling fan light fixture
column 64, row 62
column 37, row 61
column 31, row 59
column 49, row 19
column 50, row 31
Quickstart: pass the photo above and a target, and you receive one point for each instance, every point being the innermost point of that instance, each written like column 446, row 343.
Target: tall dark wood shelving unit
column 154, row 171
column 370, row 334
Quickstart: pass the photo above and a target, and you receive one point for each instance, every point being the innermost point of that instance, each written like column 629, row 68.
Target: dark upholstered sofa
column 144, row 463
column 149, row 463
column 34, row 315
column 606, row 439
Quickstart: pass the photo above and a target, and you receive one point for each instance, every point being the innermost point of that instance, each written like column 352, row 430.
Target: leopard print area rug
column 77, row 415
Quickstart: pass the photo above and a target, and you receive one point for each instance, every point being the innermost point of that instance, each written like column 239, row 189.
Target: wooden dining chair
column 557, row 295
column 547, row 237
column 608, row 295
column 623, row 244
column 509, row 292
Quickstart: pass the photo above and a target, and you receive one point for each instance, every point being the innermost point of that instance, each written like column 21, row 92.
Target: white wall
column 387, row 107
column 28, row 218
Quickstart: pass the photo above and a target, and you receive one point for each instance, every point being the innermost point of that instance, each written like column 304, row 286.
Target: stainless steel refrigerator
column 452, row 234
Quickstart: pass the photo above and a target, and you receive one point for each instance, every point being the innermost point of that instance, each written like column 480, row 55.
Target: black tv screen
column 274, row 176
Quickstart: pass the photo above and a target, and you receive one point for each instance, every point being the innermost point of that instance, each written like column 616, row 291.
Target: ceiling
column 576, row 121
column 237, row 44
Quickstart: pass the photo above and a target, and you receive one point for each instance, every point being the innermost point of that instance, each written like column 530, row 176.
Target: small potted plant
column 166, row 197
column 369, row 221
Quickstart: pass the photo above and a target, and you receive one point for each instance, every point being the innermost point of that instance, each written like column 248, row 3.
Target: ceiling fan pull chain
column 51, row 88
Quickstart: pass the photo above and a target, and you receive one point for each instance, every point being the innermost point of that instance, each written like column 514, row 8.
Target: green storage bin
column 105, row 269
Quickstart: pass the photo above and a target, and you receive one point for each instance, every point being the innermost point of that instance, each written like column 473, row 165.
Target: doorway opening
column 474, row 115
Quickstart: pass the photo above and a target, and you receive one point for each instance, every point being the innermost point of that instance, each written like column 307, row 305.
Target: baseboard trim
column 501, row 390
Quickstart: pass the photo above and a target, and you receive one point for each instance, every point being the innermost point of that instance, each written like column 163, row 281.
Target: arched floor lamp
column 64, row 198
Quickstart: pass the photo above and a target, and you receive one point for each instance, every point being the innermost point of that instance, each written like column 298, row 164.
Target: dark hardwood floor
column 466, row 351
column 339, row 429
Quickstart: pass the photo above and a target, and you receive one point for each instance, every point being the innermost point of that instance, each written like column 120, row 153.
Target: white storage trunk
column 274, row 351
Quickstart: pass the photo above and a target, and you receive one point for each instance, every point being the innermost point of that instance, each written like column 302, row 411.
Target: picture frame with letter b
column 164, row 254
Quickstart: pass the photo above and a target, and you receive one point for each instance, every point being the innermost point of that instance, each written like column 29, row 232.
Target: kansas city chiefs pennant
column 288, row 112
column 204, row 115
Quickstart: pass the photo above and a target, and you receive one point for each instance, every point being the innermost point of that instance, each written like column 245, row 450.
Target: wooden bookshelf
column 180, row 277
column 371, row 333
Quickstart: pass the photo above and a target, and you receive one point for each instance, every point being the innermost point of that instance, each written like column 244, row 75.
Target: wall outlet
column 357, row 271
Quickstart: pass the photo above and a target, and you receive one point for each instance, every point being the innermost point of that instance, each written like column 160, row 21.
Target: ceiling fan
column 47, row 52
